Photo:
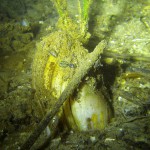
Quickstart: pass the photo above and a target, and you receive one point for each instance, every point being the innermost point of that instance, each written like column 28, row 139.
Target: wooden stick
column 84, row 68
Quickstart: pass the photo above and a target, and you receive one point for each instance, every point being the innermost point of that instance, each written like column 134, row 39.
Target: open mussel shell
column 55, row 63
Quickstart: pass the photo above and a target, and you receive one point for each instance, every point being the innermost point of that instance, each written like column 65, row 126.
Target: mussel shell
column 88, row 110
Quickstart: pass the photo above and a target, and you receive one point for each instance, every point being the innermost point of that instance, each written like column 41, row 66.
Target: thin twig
column 128, row 57
column 84, row 68
column 136, row 118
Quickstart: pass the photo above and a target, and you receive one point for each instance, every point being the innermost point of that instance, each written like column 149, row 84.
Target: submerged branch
column 84, row 68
